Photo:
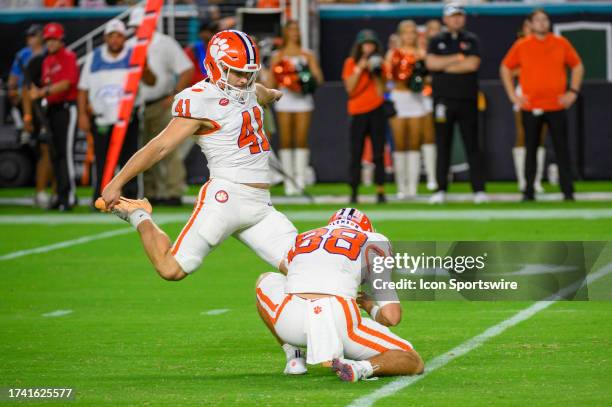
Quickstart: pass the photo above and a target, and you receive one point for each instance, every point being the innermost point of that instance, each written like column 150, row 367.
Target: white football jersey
column 330, row 260
column 237, row 149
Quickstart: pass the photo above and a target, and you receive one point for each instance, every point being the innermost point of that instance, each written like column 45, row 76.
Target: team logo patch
column 317, row 309
column 221, row 196
column 224, row 102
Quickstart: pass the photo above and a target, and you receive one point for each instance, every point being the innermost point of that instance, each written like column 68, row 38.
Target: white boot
column 367, row 174
column 413, row 164
column 399, row 167
column 518, row 153
column 541, row 159
column 301, row 166
column 286, row 158
column 429, row 156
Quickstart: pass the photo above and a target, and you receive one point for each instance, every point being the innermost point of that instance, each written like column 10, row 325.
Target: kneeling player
column 315, row 305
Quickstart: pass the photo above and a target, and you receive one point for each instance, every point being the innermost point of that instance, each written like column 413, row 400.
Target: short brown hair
column 531, row 15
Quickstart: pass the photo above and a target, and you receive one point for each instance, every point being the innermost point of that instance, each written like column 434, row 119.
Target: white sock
column 399, row 167
column 138, row 216
column 286, row 158
column 429, row 156
column 518, row 153
column 301, row 165
column 367, row 369
column 292, row 352
column 413, row 164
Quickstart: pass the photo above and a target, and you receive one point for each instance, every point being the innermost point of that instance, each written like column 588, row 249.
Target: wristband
column 374, row 312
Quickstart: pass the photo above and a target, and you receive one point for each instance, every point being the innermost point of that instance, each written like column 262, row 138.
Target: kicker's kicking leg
column 156, row 243
column 158, row 247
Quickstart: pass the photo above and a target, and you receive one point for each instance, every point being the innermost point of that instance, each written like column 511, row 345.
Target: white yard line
column 66, row 243
column 58, row 313
column 473, row 343
column 215, row 311
column 324, row 214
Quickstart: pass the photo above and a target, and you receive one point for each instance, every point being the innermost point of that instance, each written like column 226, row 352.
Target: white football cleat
column 296, row 366
column 438, row 198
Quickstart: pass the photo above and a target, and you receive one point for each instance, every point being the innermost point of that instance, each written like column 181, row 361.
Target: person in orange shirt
column 542, row 58
column 363, row 81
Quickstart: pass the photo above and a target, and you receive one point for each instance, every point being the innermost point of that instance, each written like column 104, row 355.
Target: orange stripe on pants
column 192, row 218
column 351, row 333
column 378, row 334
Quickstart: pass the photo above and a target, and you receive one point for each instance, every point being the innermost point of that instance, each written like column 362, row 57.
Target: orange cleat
column 125, row 207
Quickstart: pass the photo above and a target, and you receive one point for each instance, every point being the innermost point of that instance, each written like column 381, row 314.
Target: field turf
column 134, row 339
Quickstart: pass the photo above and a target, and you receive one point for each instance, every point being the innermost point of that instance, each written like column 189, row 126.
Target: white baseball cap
column 115, row 26
column 136, row 17
column 451, row 9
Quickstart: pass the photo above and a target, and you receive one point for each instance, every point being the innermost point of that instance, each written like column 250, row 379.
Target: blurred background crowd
column 393, row 102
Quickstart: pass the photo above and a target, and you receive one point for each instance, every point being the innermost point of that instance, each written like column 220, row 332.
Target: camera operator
column 363, row 81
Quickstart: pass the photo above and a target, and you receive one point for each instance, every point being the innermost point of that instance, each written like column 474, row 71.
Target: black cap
column 35, row 29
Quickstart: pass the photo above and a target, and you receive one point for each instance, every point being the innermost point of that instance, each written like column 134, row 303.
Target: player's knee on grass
column 416, row 365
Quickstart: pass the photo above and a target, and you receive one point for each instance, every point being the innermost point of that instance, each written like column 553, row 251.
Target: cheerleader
column 296, row 72
column 406, row 68
column 432, row 28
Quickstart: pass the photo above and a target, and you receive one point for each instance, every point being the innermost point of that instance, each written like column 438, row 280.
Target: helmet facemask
column 238, row 94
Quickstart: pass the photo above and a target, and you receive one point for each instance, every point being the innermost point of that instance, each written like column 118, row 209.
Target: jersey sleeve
column 70, row 69
column 349, row 67
column 511, row 60
column 571, row 56
column 16, row 66
column 432, row 45
column 378, row 248
column 191, row 103
column 475, row 48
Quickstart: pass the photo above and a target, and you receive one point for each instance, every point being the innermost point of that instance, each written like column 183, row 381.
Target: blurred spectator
column 453, row 57
column 543, row 58
column 196, row 52
column 59, row 3
column 100, row 92
column 34, row 122
column 406, row 68
column 59, row 75
column 518, row 152
column 165, row 182
column 34, row 46
column 296, row 72
column 362, row 76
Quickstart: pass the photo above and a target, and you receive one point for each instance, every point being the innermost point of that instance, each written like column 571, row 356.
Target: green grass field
column 134, row 339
